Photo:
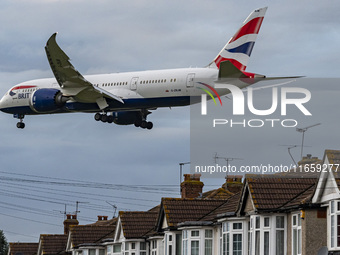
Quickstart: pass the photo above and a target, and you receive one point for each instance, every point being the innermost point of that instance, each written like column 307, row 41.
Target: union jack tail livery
column 240, row 46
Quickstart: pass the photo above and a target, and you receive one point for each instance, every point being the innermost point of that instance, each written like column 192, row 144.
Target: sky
column 61, row 159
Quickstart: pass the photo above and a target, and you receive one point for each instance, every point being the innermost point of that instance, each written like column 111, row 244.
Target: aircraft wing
column 71, row 82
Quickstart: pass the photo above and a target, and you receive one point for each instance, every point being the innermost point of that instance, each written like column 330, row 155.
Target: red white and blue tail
column 239, row 47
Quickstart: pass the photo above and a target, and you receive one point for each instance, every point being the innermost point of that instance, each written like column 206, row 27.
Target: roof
column 178, row 210
column 23, row 248
column 219, row 194
column 52, row 244
column 228, row 207
column 86, row 234
column 111, row 222
column 279, row 193
column 137, row 224
column 334, row 158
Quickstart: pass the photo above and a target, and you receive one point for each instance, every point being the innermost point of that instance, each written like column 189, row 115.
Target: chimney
column 309, row 160
column 102, row 218
column 71, row 220
column 233, row 183
column 192, row 186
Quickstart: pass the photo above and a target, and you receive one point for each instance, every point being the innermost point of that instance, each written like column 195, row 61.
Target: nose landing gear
column 20, row 124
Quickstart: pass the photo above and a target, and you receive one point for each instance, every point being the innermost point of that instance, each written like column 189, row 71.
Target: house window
column 169, row 245
column 196, row 241
column 232, row 238
column 195, row 247
column 334, row 209
column 154, row 247
column 266, row 235
column 296, row 229
column 195, row 233
column 280, row 235
column 109, row 249
column 257, row 235
column 92, row 252
column 250, row 235
column 185, row 242
column 178, row 244
column 101, row 252
column 208, row 242
column 117, row 248
column 143, row 246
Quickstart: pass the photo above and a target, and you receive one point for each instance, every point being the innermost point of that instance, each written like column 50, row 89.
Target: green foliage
column 3, row 244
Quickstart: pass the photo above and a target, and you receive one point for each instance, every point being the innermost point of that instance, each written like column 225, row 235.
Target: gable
column 249, row 204
column 327, row 187
column 164, row 223
column 119, row 235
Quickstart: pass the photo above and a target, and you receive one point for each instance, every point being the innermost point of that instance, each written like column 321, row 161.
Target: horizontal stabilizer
column 228, row 70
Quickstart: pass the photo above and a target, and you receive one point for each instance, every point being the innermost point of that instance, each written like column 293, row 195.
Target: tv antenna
column 77, row 203
column 114, row 207
column 303, row 130
column 226, row 159
column 63, row 212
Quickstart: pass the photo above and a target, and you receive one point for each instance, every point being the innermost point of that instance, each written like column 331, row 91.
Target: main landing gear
column 141, row 121
column 103, row 117
column 20, row 124
column 138, row 118
column 143, row 124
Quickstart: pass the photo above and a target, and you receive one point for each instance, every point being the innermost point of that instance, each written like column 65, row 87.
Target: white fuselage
column 139, row 90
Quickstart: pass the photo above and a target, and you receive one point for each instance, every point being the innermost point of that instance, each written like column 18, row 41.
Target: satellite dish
column 323, row 251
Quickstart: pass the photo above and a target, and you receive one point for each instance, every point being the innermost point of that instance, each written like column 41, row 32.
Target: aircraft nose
column 2, row 103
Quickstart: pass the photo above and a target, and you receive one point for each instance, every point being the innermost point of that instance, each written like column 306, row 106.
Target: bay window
column 232, row 238
column 197, row 241
column 266, row 235
column 334, row 224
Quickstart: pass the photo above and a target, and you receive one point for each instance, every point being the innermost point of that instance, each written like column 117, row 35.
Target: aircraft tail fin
column 239, row 47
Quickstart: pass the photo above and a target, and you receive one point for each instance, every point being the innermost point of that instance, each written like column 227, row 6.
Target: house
column 52, row 244
column 87, row 239
column 23, row 248
column 293, row 213
column 132, row 231
column 276, row 215
column 328, row 195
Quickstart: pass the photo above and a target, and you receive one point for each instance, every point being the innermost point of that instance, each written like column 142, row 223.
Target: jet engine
column 126, row 118
column 47, row 100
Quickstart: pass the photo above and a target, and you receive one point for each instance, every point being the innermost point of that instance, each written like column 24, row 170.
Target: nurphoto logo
column 288, row 96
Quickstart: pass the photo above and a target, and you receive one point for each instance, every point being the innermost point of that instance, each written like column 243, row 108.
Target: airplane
column 128, row 98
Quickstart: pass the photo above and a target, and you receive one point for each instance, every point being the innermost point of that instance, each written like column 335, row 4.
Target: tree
column 3, row 244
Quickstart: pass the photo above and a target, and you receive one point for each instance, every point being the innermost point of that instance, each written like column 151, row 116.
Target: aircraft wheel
column 104, row 118
column 143, row 124
column 109, row 119
column 149, row 125
column 138, row 123
column 20, row 125
column 97, row 116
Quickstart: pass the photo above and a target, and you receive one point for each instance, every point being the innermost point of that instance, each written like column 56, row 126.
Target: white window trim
column 262, row 229
column 227, row 228
column 298, row 228
column 201, row 238
column 334, row 214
